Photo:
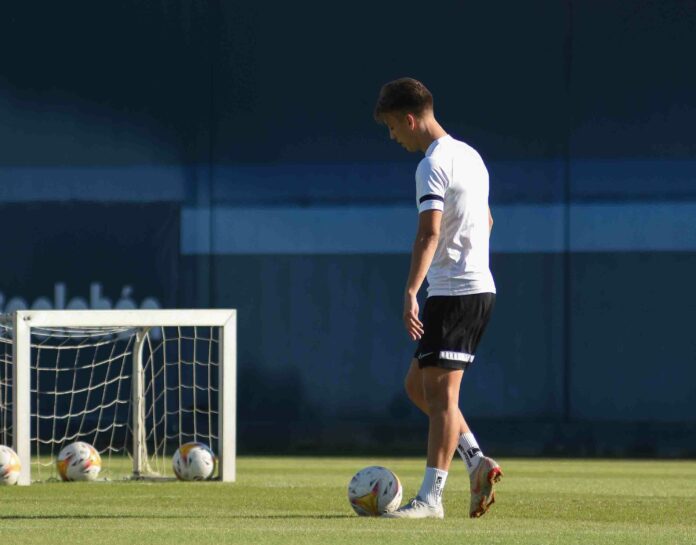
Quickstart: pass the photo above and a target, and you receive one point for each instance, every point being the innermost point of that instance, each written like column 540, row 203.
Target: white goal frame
column 226, row 319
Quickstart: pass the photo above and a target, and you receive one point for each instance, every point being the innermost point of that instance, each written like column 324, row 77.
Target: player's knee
column 413, row 384
column 412, row 389
column 440, row 399
column 437, row 405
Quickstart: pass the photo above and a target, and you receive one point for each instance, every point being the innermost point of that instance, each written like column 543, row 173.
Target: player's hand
column 414, row 327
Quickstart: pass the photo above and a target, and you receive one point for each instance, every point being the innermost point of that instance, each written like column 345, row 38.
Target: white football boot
column 483, row 479
column 417, row 509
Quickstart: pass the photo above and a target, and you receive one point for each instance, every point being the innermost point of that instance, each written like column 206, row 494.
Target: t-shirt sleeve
column 431, row 184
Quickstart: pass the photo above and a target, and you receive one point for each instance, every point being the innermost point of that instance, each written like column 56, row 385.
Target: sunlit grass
column 303, row 500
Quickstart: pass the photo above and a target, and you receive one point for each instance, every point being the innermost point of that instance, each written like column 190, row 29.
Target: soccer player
column 451, row 247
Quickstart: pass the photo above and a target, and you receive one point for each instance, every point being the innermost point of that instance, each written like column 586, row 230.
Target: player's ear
column 411, row 120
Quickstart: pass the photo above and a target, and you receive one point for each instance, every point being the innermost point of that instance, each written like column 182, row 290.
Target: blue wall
column 218, row 154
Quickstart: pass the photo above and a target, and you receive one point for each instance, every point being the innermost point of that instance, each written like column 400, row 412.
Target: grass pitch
column 303, row 500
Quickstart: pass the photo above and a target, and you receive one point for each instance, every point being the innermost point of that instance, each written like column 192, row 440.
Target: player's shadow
column 98, row 517
column 297, row 516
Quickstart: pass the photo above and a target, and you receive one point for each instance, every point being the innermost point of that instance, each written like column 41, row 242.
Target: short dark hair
column 405, row 95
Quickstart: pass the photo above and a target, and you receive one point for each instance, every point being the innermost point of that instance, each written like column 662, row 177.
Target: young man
column 451, row 247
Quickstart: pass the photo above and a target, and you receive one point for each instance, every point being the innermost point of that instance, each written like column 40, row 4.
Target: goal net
column 135, row 384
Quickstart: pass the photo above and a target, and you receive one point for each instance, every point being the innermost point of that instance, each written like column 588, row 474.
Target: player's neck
column 430, row 132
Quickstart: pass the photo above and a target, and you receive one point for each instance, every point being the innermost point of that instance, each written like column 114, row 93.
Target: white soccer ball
column 373, row 491
column 194, row 462
column 78, row 461
column 9, row 466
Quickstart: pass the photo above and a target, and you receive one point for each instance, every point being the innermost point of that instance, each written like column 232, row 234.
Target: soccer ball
column 373, row 491
column 9, row 466
column 194, row 462
column 78, row 461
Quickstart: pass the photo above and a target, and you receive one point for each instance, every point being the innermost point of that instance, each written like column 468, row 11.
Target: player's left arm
column 424, row 248
column 490, row 221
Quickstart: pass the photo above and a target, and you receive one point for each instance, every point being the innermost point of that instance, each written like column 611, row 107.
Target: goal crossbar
column 226, row 319
column 126, row 318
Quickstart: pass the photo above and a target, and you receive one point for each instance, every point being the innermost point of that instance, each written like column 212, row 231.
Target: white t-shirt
column 452, row 178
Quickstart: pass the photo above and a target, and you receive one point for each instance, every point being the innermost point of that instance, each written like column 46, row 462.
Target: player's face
column 401, row 129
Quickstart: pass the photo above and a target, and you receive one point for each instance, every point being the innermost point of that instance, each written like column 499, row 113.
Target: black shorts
column 453, row 328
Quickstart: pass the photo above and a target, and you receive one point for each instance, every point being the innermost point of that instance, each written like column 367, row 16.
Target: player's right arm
column 490, row 221
column 431, row 184
column 424, row 247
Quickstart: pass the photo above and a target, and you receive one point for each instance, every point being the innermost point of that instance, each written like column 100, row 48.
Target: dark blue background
column 121, row 121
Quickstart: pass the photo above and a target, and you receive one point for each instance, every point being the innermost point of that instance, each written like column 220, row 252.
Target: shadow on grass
column 114, row 517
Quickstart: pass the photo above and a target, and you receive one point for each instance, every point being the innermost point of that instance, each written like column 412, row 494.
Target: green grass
column 303, row 500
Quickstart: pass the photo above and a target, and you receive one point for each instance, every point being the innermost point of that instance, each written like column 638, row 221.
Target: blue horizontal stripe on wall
column 517, row 181
column 139, row 183
column 634, row 227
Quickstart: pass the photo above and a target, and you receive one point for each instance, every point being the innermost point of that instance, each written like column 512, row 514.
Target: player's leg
column 438, row 397
column 467, row 446
column 413, row 384
column 484, row 472
column 441, row 389
column 455, row 326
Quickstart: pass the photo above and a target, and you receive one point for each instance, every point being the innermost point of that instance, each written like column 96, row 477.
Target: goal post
column 141, row 326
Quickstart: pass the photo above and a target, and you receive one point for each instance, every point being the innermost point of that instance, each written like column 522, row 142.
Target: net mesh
column 81, row 390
